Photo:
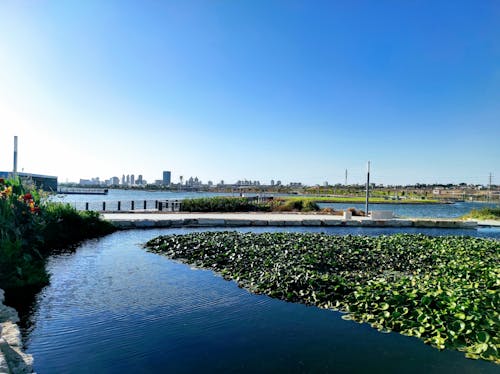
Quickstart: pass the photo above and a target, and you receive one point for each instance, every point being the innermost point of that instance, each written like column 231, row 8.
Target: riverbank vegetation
column 275, row 204
column 30, row 228
column 485, row 213
column 443, row 290
column 243, row 204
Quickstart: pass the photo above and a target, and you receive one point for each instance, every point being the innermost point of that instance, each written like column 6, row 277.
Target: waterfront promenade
column 145, row 220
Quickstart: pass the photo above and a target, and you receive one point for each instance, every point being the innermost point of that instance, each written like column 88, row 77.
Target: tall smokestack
column 15, row 155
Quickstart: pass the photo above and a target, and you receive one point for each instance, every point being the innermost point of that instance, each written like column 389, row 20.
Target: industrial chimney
column 15, row 155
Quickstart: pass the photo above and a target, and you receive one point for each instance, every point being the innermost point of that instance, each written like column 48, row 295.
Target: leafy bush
column 64, row 225
column 30, row 228
column 443, row 290
column 296, row 205
column 485, row 213
column 222, row 204
column 243, row 204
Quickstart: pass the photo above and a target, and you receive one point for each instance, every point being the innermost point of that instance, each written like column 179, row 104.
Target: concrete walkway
column 144, row 220
column 488, row 222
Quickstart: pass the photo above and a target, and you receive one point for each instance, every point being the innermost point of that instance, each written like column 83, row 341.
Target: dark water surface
column 112, row 307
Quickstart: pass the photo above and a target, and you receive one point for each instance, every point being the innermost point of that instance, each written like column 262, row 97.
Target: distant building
column 166, row 178
column 139, row 179
column 43, row 182
column 115, row 181
column 132, row 179
column 193, row 182
column 123, row 179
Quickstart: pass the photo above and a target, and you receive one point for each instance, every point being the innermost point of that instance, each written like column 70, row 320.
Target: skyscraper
column 166, row 178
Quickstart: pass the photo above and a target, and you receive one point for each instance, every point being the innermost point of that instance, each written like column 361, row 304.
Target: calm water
column 418, row 210
column 112, row 307
column 400, row 210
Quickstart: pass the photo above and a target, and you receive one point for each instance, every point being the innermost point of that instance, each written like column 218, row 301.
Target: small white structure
column 347, row 214
column 382, row 214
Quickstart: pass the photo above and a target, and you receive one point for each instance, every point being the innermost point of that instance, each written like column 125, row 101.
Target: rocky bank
column 12, row 359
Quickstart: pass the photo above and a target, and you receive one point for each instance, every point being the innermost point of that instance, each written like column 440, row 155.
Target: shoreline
column 12, row 357
column 158, row 220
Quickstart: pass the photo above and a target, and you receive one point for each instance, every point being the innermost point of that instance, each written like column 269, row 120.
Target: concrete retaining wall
column 221, row 222
column 12, row 359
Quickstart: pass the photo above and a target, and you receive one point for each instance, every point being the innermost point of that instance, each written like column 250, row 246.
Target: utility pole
column 489, row 188
column 367, row 187
column 15, row 157
column 345, row 184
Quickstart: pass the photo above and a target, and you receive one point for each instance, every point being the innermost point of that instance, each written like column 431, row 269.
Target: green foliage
column 222, row 204
column 63, row 225
column 296, row 205
column 243, row 204
column 30, row 228
column 443, row 290
column 485, row 213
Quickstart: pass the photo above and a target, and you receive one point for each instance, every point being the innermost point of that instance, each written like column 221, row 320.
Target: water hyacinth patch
column 443, row 290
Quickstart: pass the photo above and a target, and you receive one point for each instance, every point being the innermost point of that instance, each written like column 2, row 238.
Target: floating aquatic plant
column 443, row 290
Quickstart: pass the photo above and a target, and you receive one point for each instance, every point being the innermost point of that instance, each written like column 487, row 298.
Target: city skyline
column 279, row 90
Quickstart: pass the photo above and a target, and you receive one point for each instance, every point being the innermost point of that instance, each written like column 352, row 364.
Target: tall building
column 166, row 178
column 132, row 179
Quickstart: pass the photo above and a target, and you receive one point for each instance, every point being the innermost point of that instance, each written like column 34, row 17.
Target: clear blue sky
column 289, row 90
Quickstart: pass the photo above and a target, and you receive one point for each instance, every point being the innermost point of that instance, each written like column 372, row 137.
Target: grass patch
column 484, row 213
column 443, row 290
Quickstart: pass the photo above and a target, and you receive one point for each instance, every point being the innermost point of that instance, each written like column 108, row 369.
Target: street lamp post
column 367, row 187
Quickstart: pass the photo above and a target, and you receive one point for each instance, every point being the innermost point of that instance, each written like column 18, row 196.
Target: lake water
column 112, row 307
column 418, row 210
column 125, row 196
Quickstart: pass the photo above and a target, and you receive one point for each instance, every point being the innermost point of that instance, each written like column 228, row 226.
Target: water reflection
column 114, row 308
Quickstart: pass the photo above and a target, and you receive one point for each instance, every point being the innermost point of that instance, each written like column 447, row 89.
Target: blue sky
column 288, row 90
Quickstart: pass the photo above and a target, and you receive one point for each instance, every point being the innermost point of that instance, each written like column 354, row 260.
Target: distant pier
column 82, row 191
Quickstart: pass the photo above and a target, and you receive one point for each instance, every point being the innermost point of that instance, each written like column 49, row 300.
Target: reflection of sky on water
column 113, row 307
column 417, row 210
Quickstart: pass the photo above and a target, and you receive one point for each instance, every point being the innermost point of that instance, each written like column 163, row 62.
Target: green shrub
column 485, row 213
column 296, row 205
column 64, row 225
column 222, row 204
column 30, row 229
